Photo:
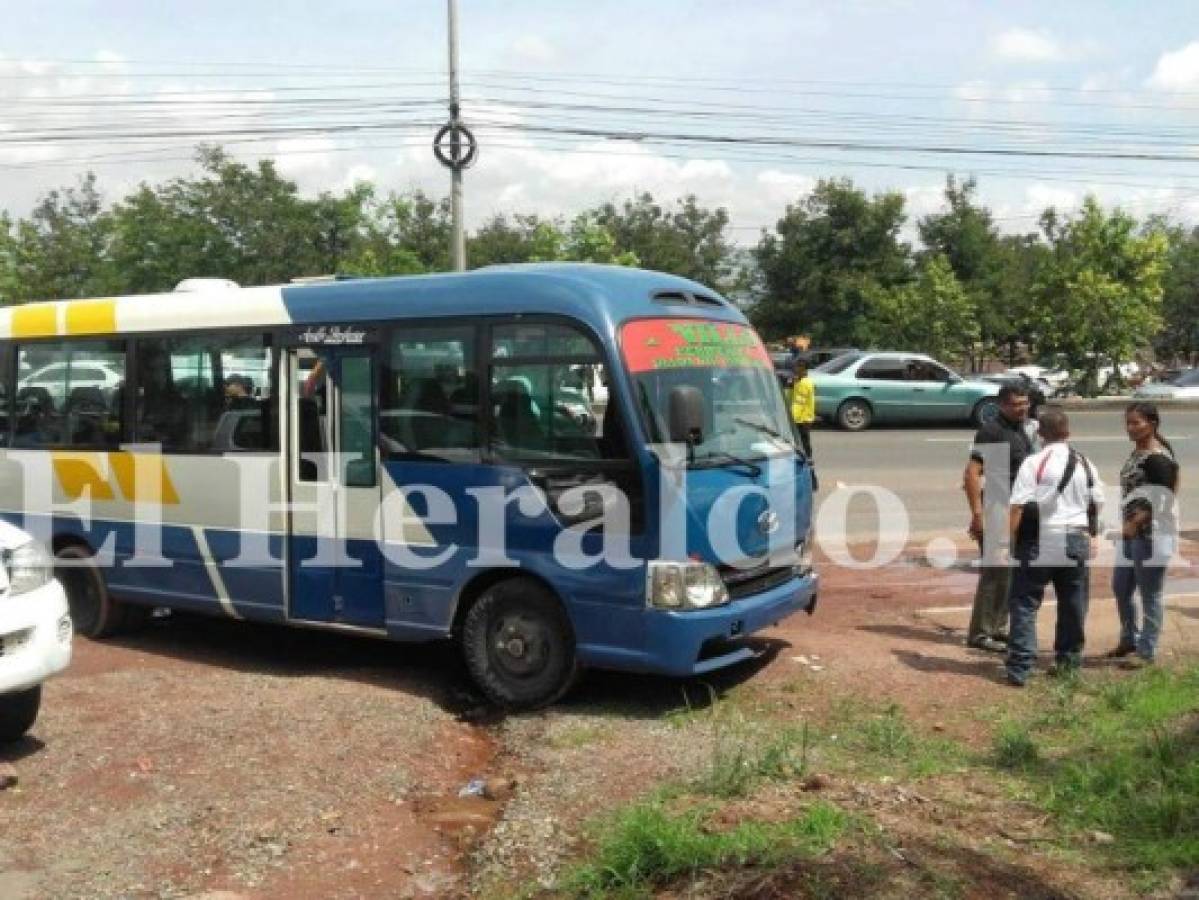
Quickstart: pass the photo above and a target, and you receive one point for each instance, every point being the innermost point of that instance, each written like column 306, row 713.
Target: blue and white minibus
column 558, row 466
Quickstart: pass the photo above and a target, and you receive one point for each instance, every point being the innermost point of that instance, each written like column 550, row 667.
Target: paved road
column 924, row 468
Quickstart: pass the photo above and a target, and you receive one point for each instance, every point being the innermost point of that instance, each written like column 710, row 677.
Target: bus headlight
column 684, row 585
column 29, row 567
column 803, row 558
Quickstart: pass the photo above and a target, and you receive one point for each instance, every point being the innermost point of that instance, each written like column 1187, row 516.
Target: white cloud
column 534, row 50
column 786, row 186
column 1026, row 45
column 296, row 156
column 1177, row 70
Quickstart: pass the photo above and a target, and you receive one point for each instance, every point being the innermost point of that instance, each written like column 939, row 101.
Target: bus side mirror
column 685, row 411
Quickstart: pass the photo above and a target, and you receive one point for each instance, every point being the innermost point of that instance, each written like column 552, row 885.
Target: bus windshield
column 745, row 414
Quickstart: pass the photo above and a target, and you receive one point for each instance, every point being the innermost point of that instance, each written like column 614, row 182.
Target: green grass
column 1015, row 748
column 740, row 761
column 646, row 846
column 1119, row 756
column 884, row 741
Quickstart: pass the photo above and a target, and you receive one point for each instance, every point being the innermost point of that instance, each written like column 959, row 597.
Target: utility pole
column 456, row 149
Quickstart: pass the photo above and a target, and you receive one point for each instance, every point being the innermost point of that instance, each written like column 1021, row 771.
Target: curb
column 1119, row 403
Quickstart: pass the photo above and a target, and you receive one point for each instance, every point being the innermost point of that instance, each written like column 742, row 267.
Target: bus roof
column 600, row 295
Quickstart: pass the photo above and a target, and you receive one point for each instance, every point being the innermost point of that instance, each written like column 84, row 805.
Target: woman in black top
column 1148, row 484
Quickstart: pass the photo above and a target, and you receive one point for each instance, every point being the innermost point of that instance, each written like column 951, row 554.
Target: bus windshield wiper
column 712, row 456
column 764, row 429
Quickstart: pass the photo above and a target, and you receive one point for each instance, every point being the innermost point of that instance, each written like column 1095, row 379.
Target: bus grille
column 744, row 582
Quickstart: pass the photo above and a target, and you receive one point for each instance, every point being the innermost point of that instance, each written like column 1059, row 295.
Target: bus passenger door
column 335, row 567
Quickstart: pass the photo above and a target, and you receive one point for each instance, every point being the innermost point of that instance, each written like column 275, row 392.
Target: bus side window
column 205, row 394
column 549, row 396
column 430, row 397
column 69, row 394
column 5, row 393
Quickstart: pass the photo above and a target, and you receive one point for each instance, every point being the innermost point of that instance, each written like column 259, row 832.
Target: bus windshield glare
column 745, row 416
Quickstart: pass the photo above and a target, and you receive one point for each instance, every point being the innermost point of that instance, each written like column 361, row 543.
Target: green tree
column 933, row 314
column 1180, row 291
column 689, row 240
column 1099, row 297
column 232, row 221
column 826, row 261
column 404, row 234
column 515, row 238
column 59, row 252
column 965, row 234
column 8, row 260
column 530, row 238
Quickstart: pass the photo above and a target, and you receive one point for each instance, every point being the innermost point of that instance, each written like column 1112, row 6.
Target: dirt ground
column 218, row 759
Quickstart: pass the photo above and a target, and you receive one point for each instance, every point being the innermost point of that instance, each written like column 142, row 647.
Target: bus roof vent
column 686, row 297
column 200, row 285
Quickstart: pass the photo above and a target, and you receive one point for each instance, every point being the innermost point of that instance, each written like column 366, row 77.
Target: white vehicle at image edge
column 35, row 629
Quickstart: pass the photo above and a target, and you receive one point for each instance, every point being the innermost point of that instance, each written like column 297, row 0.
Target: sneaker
column 1133, row 663
column 989, row 644
column 1120, row 651
column 1012, row 681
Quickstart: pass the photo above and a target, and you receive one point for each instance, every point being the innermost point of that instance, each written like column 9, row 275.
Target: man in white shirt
column 1056, row 496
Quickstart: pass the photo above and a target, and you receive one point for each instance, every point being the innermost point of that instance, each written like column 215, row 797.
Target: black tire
column 18, row 712
column 94, row 612
column 519, row 645
column 984, row 411
column 854, row 415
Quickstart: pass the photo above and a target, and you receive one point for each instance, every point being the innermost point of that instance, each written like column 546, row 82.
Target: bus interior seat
column 86, row 399
column 38, row 399
column 517, row 419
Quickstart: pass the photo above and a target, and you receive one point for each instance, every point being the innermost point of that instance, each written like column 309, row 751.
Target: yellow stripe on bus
column 92, row 317
column 143, row 478
column 140, row 478
column 80, row 475
column 35, row 320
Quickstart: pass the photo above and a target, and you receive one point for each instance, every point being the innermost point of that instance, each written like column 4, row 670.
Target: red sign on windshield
column 652, row 344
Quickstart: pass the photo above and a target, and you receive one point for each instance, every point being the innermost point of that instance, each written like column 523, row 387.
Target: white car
column 1184, row 387
column 1060, row 380
column 35, row 629
column 82, row 374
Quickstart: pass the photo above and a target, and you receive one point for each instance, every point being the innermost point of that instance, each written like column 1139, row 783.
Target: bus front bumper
column 699, row 641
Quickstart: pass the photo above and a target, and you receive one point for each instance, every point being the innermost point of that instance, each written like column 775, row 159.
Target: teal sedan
column 860, row 388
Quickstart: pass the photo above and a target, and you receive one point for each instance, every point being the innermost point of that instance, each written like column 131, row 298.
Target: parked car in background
column 1058, row 379
column 861, row 388
column 784, row 361
column 1184, row 387
column 35, row 629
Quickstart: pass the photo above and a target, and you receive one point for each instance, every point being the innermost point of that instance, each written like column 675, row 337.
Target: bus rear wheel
column 519, row 645
column 94, row 612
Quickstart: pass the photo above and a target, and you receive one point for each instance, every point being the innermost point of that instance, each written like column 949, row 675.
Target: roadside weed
column 646, row 846
column 740, row 761
column 1118, row 756
column 1014, row 747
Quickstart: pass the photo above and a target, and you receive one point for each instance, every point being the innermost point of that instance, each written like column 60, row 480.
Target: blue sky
column 126, row 88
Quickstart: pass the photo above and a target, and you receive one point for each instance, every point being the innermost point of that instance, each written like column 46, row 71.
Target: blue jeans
column 1071, row 584
column 1138, row 572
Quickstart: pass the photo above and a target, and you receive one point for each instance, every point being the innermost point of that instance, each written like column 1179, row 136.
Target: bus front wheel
column 519, row 645
column 94, row 612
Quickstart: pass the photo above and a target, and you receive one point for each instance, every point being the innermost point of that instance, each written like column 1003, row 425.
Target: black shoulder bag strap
column 1067, row 474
